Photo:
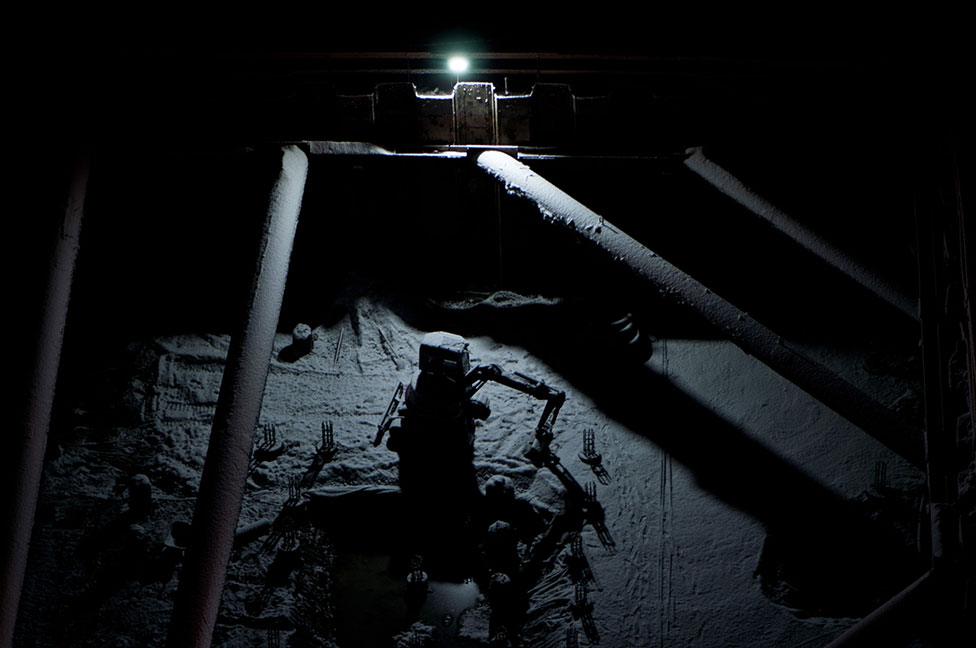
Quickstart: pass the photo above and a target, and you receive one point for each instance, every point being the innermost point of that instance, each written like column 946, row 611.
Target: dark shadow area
column 841, row 560
column 832, row 130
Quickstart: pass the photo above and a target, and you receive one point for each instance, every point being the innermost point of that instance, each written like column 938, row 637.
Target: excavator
column 431, row 427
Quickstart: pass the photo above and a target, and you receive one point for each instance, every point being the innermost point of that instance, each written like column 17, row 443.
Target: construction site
column 486, row 339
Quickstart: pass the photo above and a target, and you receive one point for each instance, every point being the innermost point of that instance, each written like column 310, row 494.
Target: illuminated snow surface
column 682, row 575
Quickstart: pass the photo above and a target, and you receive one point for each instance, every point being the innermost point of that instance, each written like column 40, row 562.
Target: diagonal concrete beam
column 238, row 409
column 731, row 186
column 890, row 621
column 561, row 210
column 30, row 444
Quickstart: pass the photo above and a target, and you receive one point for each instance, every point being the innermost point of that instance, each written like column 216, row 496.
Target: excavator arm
column 540, row 454
column 481, row 375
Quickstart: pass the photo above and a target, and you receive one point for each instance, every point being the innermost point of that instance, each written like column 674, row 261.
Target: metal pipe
column 878, row 627
column 238, row 409
column 31, row 444
column 809, row 240
column 751, row 336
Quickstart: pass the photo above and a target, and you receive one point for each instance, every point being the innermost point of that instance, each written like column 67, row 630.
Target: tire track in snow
column 625, row 606
column 667, row 608
column 666, row 551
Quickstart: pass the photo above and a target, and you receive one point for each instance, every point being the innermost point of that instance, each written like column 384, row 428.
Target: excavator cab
column 445, row 354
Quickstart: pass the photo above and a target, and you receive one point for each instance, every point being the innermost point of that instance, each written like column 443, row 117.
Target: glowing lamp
column 458, row 64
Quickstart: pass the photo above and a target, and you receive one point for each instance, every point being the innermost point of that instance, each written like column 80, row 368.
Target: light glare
column 458, row 64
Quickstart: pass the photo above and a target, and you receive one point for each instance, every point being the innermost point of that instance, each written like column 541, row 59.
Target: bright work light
column 458, row 64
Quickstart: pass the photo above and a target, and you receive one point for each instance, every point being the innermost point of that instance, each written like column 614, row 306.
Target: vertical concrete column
column 28, row 447
column 942, row 320
column 475, row 114
column 238, row 408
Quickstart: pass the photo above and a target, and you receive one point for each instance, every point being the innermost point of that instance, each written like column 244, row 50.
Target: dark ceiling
column 827, row 114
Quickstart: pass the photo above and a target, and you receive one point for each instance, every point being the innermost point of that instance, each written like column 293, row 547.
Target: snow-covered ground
column 683, row 573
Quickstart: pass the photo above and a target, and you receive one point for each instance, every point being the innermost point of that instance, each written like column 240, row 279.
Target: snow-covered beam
column 882, row 626
column 461, row 152
column 731, row 186
column 561, row 210
column 30, row 444
column 238, row 409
